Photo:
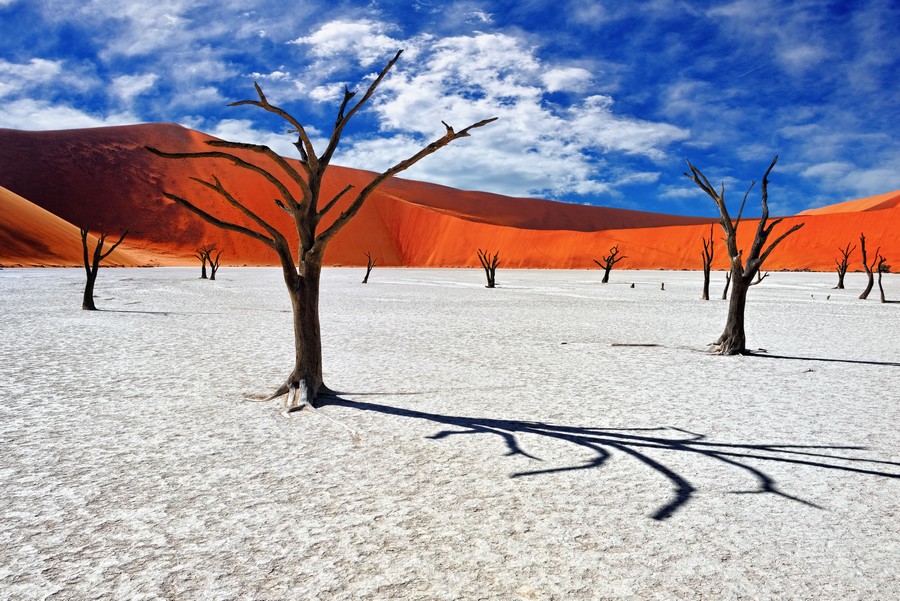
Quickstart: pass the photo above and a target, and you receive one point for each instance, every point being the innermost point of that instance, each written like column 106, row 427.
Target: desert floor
column 486, row 444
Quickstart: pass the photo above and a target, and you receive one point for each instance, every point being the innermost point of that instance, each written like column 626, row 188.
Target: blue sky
column 599, row 102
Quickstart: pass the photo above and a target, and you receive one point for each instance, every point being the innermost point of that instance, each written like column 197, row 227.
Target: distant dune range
column 51, row 182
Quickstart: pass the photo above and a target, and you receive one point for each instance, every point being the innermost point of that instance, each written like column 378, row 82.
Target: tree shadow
column 639, row 442
column 825, row 359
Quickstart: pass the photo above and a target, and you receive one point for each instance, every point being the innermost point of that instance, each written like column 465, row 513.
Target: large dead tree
column 608, row 262
column 489, row 264
column 707, row 253
column 370, row 264
column 203, row 254
column 299, row 195
column 92, row 264
column 867, row 266
column 843, row 264
column 733, row 340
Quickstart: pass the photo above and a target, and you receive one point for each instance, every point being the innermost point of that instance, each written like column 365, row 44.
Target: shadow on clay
column 638, row 442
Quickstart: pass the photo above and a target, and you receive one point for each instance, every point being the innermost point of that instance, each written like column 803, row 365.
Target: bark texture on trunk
column 733, row 340
column 707, row 253
column 868, row 267
column 87, row 302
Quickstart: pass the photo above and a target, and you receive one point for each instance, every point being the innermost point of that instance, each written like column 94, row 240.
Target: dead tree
column 867, row 266
column 608, row 262
column 733, row 340
column 92, row 264
column 299, row 191
column 707, row 254
column 843, row 264
column 882, row 269
column 490, row 266
column 370, row 264
column 204, row 254
column 214, row 264
column 727, row 285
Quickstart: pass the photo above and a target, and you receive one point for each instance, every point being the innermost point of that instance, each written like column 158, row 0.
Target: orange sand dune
column 33, row 237
column 105, row 174
column 889, row 200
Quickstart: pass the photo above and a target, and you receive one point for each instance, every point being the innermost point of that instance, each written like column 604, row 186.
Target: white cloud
column 566, row 78
column 535, row 148
column 20, row 76
column 37, row 115
column 127, row 87
column 365, row 40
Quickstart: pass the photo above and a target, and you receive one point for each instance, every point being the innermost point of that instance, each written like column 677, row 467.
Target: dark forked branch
column 92, row 263
column 489, row 264
column 609, row 261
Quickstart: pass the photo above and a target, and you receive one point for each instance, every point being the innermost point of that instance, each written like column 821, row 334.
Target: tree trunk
column 203, row 271
column 840, row 284
column 869, row 285
column 606, row 271
column 705, row 295
column 305, row 382
column 881, row 288
column 733, row 340
column 727, row 284
column 88, row 303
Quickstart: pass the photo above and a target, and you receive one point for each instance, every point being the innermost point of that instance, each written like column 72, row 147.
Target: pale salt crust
column 133, row 468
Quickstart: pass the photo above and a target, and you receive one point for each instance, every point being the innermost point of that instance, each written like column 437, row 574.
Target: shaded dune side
column 34, row 237
column 105, row 174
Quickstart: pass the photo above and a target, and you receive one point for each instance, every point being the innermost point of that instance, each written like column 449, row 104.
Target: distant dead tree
column 203, row 253
column 867, row 266
column 727, row 285
column 843, row 264
column 92, row 264
column 299, row 191
column 707, row 254
column 214, row 264
column 608, row 262
column 883, row 268
column 733, row 340
column 370, row 264
column 490, row 266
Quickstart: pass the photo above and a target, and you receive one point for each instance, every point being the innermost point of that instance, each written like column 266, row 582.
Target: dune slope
column 33, row 237
column 106, row 175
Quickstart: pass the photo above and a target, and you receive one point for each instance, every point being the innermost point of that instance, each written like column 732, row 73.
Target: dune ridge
column 106, row 175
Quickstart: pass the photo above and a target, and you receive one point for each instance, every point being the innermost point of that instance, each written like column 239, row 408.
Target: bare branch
column 323, row 238
column 285, row 193
column 334, row 200
column 274, row 156
column 113, row 247
column 777, row 241
column 225, row 225
column 217, row 187
column 303, row 144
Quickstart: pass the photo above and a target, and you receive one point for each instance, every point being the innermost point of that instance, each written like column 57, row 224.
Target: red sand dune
column 33, row 237
column 105, row 175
